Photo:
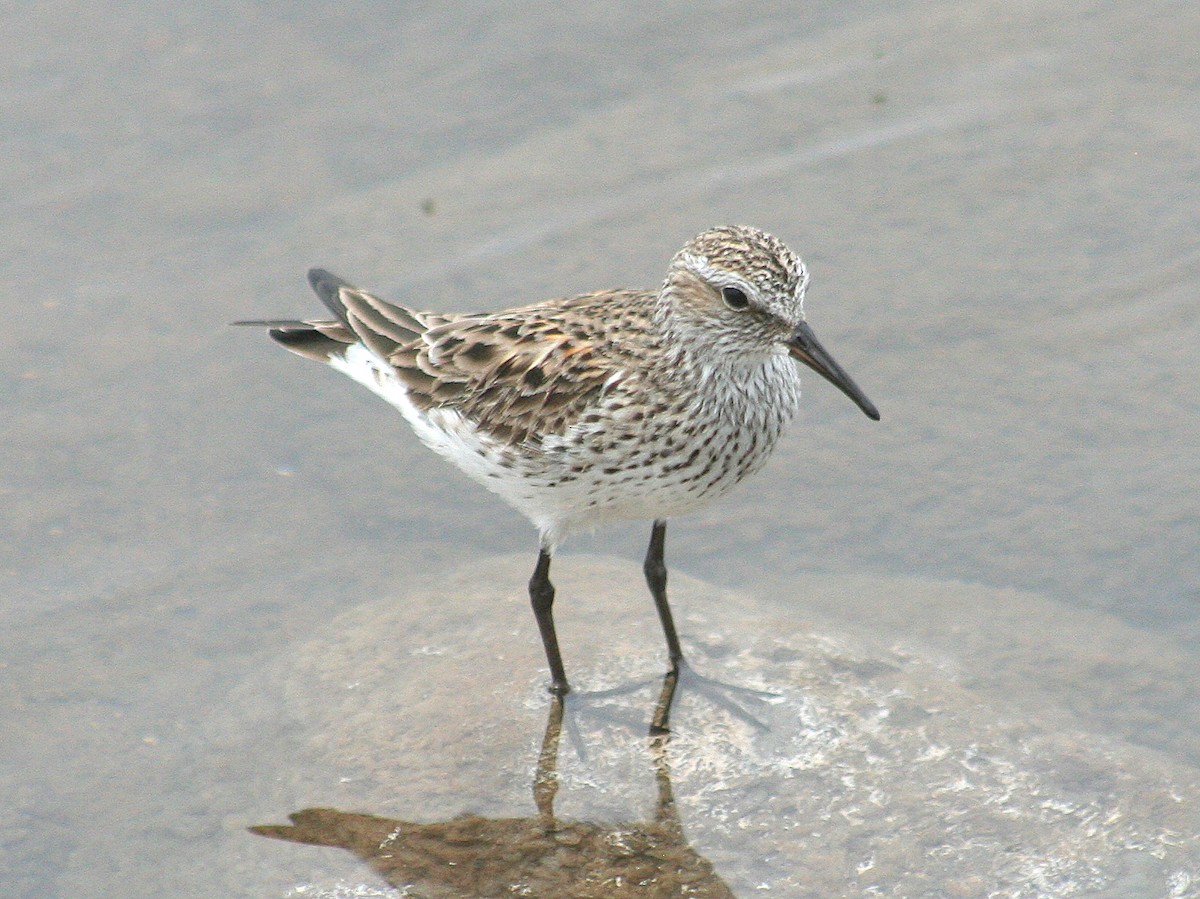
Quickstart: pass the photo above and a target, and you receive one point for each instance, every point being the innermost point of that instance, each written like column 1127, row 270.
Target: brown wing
column 527, row 373
column 520, row 375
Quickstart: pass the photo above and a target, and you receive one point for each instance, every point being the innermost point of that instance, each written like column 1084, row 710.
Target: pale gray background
column 999, row 204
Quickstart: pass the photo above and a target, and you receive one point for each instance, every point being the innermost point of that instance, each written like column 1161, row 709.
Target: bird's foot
column 733, row 698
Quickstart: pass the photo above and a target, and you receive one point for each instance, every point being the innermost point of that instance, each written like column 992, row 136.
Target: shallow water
column 999, row 206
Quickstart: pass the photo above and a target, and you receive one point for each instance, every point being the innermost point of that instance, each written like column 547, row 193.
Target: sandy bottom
column 858, row 768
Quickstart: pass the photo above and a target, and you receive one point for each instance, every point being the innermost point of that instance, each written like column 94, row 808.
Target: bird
column 615, row 405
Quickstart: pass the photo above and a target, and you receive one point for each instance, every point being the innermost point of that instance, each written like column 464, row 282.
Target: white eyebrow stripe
column 699, row 265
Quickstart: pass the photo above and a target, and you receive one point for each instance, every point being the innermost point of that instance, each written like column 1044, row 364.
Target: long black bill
column 805, row 347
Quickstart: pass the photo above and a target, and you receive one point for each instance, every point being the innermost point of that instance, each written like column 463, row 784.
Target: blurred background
column 998, row 202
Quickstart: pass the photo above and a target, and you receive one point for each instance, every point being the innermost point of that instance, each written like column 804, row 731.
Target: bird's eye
column 735, row 298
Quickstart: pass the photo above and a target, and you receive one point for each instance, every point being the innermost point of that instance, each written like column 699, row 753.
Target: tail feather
column 381, row 326
column 318, row 340
column 311, row 343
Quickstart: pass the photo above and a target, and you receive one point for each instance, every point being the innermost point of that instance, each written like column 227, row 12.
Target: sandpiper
column 614, row 405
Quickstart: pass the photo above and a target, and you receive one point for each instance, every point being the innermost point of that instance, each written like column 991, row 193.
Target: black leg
column 541, row 595
column 656, row 579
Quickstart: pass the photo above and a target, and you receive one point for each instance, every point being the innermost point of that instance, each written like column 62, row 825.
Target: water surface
column 998, row 204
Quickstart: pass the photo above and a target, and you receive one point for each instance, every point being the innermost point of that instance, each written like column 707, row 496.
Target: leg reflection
column 539, row 855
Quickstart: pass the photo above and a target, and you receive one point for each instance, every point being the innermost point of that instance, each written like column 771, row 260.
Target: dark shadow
column 537, row 856
column 741, row 703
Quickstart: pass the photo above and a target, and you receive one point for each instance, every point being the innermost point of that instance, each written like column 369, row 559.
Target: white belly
column 644, row 459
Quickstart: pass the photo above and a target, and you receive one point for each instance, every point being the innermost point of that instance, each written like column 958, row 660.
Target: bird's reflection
column 537, row 856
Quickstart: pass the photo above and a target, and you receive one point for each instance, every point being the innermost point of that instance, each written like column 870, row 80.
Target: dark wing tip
column 327, row 287
column 318, row 278
column 284, row 323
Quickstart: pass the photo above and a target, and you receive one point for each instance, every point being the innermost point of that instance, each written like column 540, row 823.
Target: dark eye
column 735, row 298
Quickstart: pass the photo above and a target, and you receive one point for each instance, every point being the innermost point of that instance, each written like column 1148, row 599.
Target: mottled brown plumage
column 519, row 375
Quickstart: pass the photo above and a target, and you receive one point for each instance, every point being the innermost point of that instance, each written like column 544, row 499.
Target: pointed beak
column 805, row 347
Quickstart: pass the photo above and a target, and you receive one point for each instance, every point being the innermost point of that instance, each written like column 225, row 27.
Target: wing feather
column 529, row 373
column 519, row 376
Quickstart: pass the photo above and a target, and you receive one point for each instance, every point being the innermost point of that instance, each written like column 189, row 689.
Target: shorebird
column 614, row 405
